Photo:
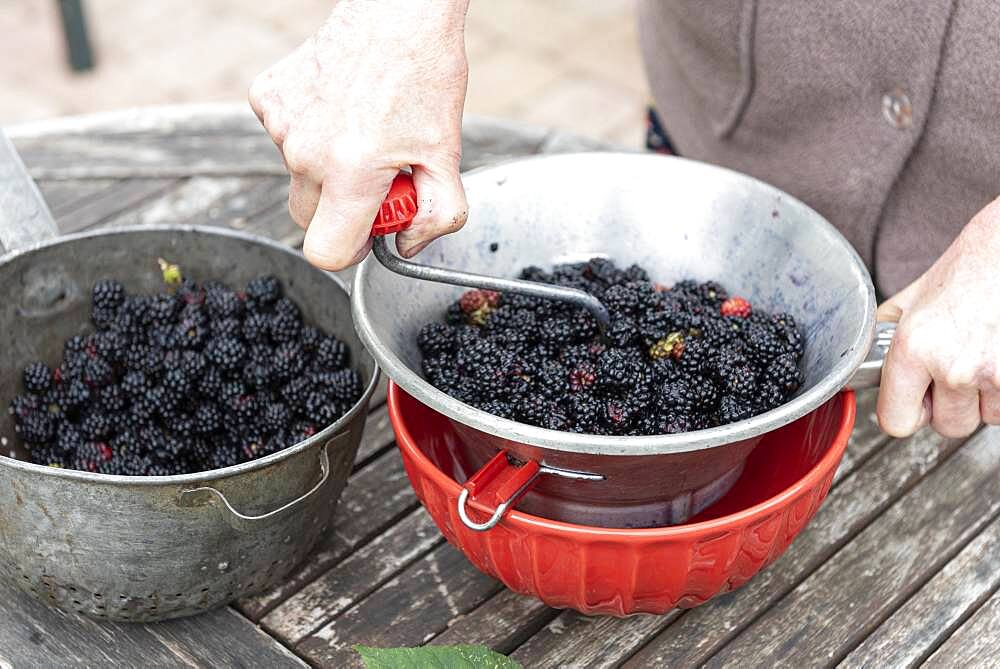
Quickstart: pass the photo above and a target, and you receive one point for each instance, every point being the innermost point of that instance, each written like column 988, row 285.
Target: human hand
column 943, row 366
column 380, row 86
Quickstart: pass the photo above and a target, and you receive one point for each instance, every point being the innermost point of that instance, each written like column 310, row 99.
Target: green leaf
column 435, row 657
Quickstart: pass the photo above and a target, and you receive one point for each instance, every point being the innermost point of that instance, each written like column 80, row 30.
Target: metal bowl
column 679, row 219
column 143, row 548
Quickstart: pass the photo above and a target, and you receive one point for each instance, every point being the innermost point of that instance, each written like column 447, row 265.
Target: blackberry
column 111, row 345
column 224, row 304
column 226, row 353
column 735, row 374
column 276, row 417
column 732, row 409
column 226, row 327
column 96, row 425
column 498, row 407
column 163, row 309
column 582, row 377
column 617, row 368
column 436, row 339
column 257, row 372
column 210, row 383
column 284, row 326
column 256, row 327
column 75, row 344
column 140, row 357
column 321, row 409
column 74, row 394
column 37, row 377
column 264, row 290
column 784, row 372
column 310, row 338
column 164, row 337
column 231, row 389
column 97, row 373
column 107, row 294
column 112, row 400
column 343, row 385
column 207, row 418
column 191, row 333
column 36, row 427
column 288, row 361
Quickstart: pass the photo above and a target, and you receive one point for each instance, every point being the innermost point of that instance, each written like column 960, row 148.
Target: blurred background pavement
column 571, row 64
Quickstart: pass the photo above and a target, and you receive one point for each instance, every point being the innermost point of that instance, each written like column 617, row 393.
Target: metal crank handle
column 397, row 213
column 869, row 374
column 247, row 522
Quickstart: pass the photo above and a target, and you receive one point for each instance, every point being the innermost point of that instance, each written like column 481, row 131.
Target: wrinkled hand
column 380, row 86
column 943, row 367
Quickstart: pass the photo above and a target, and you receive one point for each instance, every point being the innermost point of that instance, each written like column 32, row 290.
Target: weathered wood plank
column 112, row 201
column 353, row 579
column 375, row 498
column 62, row 194
column 503, row 622
column 975, row 644
column 149, row 155
column 579, row 641
column 914, row 631
column 866, row 438
column 35, row 635
column 189, row 199
column 619, row 638
column 233, row 210
column 227, row 639
column 851, row 506
column 220, row 118
column 178, row 142
column 877, row 571
column 378, row 437
column 275, row 223
column 407, row 611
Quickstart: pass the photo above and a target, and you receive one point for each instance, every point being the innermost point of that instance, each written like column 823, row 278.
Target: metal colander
column 150, row 548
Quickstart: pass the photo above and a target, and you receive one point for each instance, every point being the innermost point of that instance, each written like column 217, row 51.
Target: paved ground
column 573, row 64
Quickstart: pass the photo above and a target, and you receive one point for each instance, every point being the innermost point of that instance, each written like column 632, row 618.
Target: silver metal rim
column 212, row 474
column 414, row 384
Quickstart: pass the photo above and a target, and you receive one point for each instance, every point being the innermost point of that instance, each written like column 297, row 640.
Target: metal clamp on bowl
column 508, row 482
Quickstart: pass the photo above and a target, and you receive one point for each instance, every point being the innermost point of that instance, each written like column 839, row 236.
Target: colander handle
column 500, row 479
column 25, row 219
column 246, row 522
column 869, row 374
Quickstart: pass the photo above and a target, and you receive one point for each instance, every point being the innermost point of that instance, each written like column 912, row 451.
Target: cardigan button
column 897, row 110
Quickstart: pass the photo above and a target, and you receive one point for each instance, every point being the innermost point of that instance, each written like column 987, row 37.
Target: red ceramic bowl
column 624, row 571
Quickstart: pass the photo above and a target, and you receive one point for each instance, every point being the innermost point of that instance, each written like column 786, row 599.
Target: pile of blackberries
column 676, row 359
column 194, row 378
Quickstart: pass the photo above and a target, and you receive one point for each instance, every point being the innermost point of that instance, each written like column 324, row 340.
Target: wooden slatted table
column 897, row 569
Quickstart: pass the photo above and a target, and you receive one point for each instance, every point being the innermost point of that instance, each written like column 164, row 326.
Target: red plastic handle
column 398, row 208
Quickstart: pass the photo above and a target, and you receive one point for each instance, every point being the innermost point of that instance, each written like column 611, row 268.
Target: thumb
column 893, row 309
column 441, row 207
column 339, row 234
